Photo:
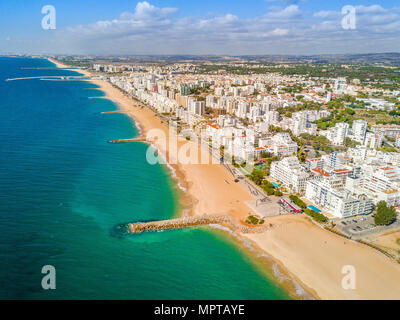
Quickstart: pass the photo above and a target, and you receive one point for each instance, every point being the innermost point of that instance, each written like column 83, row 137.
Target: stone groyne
column 128, row 140
column 185, row 222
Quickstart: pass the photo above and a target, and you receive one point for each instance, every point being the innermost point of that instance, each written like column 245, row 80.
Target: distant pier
column 61, row 78
column 129, row 140
column 194, row 221
column 107, row 112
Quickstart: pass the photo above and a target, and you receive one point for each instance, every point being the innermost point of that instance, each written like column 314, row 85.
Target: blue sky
column 199, row 27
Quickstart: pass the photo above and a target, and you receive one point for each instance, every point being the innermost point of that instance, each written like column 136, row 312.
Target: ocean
column 63, row 189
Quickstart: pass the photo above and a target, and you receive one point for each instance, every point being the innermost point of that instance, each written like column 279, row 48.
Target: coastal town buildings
column 386, row 130
column 290, row 173
column 335, row 200
column 380, row 184
column 359, row 130
column 337, row 133
column 279, row 144
column 247, row 116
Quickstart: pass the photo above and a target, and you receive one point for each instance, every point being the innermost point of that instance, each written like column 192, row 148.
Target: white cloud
column 146, row 17
column 145, row 11
column 280, row 32
column 152, row 30
column 327, row 14
column 376, row 9
column 289, row 12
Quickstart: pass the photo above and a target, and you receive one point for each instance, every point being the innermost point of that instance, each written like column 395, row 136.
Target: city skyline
column 259, row 27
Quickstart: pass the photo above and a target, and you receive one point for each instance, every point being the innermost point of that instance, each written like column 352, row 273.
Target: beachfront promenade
column 194, row 221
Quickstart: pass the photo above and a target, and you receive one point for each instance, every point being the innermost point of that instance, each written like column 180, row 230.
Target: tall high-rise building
column 197, row 107
column 373, row 140
column 185, row 90
column 359, row 130
column 337, row 134
column 242, row 110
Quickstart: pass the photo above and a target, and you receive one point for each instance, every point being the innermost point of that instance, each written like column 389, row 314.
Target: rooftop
column 320, row 171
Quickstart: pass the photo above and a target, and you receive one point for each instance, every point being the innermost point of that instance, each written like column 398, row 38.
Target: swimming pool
column 314, row 209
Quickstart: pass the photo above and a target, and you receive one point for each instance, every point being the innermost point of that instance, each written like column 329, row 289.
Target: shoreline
column 305, row 254
column 264, row 262
column 124, row 104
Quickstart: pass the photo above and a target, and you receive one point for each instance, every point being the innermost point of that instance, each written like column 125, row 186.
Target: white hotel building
column 289, row 172
column 338, row 202
column 382, row 184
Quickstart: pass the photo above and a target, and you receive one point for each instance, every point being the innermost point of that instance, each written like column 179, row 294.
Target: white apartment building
column 242, row 110
column 316, row 163
column 219, row 91
column 272, row 117
column 340, row 84
column 197, row 107
column 373, row 140
column 254, row 114
column 336, row 160
column 387, row 130
column 289, row 172
column 299, row 126
column 380, row 104
column 337, row 134
column 337, row 202
column 359, row 130
column 382, row 184
column 210, row 101
column 280, row 144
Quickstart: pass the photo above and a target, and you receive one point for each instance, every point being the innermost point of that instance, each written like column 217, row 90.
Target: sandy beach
column 313, row 257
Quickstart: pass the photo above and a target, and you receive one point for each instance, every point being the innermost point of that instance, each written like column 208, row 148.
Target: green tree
column 349, row 111
column 384, row 215
column 298, row 201
column 350, row 143
column 316, row 216
column 257, row 176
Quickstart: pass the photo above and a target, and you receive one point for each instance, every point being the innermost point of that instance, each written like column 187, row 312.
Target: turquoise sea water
column 63, row 188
